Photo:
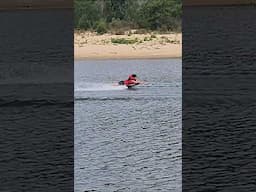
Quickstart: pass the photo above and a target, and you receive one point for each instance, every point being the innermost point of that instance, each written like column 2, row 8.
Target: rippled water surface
column 128, row 140
column 219, row 103
column 36, row 100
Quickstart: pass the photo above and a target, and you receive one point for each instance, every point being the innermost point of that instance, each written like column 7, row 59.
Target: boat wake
column 99, row 87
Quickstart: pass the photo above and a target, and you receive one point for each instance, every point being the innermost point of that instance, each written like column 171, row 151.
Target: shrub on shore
column 153, row 36
column 101, row 27
column 123, row 41
column 141, row 31
column 117, row 31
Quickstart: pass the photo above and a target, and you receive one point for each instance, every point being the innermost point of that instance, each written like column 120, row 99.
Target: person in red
column 131, row 81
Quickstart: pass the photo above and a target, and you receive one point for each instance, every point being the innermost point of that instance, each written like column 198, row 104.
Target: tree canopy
column 144, row 14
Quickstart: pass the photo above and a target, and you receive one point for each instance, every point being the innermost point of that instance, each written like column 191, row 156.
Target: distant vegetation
column 123, row 41
column 118, row 16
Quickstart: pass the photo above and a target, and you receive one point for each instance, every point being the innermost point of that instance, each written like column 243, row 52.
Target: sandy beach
column 89, row 45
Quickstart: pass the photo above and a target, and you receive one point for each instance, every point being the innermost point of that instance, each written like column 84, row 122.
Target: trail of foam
column 98, row 87
column 137, row 98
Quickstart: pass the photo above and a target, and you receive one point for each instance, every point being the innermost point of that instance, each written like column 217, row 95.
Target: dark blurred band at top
column 217, row 2
column 35, row 4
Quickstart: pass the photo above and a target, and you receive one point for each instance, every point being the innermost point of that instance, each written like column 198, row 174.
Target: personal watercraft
column 127, row 84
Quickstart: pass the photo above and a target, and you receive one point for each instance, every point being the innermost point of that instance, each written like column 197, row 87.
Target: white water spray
column 98, row 87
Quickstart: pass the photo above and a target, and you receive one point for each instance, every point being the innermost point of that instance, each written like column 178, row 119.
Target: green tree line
column 104, row 15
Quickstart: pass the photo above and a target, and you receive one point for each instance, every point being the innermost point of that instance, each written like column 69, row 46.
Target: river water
column 128, row 140
column 36, row 100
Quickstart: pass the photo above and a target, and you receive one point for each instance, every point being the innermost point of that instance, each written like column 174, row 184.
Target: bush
column 124, row 41
column 101, row 27
column 119, row 27
column 141, row 31
column 83, row 23
column 116, row 24
column 153, row 36
column 118, row 32
column 146, row 39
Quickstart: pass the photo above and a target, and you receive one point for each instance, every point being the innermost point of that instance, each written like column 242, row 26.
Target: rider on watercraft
column 130, row 81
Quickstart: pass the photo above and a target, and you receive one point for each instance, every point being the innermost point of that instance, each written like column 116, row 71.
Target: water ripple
column 129, row 140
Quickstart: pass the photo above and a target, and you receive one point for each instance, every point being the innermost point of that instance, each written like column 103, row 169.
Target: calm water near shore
column 128, row 140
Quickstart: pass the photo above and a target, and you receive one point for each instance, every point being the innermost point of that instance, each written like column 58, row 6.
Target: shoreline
column 123, row 58
column 91, row 46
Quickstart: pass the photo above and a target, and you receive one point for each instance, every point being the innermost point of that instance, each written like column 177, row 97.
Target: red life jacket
column 129, row 82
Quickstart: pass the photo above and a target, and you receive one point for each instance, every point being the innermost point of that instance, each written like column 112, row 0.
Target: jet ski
column 132, row 81
column 127, row 84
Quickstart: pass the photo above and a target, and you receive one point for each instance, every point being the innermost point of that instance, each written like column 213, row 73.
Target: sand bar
column 92, row 46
